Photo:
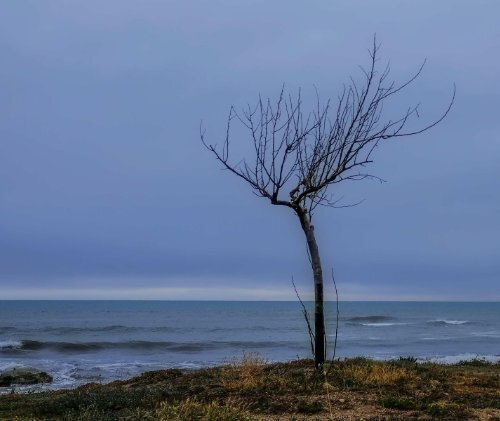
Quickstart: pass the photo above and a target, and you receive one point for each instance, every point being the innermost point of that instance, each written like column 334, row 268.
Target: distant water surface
column 82, row 341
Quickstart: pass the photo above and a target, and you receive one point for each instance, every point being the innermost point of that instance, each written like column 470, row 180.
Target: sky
column 106, row 191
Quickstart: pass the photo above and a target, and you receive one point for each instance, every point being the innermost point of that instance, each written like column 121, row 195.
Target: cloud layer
column 105, row 185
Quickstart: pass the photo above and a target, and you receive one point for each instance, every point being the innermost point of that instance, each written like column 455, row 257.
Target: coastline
column 69, row 384
column 82, row 342
column 252, row 389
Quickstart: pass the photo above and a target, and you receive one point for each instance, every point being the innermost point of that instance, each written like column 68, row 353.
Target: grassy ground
column 250, row 389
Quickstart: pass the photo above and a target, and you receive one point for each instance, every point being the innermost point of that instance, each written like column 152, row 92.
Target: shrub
column 244, row 374
column 448, row 410
column 305, row 407
column 397, row 402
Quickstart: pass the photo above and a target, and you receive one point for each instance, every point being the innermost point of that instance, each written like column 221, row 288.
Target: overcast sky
column 107, row 192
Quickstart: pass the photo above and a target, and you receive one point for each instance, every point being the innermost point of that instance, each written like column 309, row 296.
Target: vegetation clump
column 23, row 376
column 252, row 389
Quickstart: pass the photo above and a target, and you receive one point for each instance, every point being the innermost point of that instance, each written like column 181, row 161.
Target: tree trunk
column 319, row 320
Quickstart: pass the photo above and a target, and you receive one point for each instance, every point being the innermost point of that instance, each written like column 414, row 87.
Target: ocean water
column 83, row 341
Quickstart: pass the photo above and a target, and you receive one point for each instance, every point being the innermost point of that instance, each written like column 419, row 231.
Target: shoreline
column 56, row 385
column 66, row 386
column 252, row 389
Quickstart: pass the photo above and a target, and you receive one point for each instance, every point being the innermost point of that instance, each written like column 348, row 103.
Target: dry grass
column 369, row 373
column 245, row 373
column 192, row 409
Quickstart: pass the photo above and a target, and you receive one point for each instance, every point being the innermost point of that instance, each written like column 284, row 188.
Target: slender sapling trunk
column 319, row 319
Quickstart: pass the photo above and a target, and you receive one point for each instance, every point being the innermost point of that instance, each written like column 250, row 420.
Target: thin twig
column 306, row 316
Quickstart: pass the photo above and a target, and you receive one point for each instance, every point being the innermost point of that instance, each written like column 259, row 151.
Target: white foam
column 450, row 322
column 489, row 334
column 454, row 359
column 190, row 366
column 10, row 344
column 10, row 366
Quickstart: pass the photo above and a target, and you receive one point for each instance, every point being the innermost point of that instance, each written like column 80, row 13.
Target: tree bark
column 319, row 319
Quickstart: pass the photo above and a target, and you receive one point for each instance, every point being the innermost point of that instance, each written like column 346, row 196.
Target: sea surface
column 99, row 341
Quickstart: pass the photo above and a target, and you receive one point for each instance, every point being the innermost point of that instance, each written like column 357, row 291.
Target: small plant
column 88, row 413
column 406, row 362
column 408, row 359
column 397, row 402
column 244, row 374
column 476, row 362
column 313, row 407
column 448, row 410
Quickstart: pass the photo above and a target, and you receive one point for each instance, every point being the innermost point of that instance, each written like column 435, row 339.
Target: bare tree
column 297, row 157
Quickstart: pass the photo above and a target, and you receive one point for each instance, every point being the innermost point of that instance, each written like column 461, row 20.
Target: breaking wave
column 447, row 322
column 82, row 347
column 10, row 344
column 375, row 320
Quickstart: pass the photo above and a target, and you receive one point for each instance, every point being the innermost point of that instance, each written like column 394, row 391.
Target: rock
column 22, row 375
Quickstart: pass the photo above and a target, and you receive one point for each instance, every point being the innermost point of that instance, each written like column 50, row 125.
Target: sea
column 79, row 342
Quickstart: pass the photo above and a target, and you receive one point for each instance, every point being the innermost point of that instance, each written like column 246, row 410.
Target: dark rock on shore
column 23, row 376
